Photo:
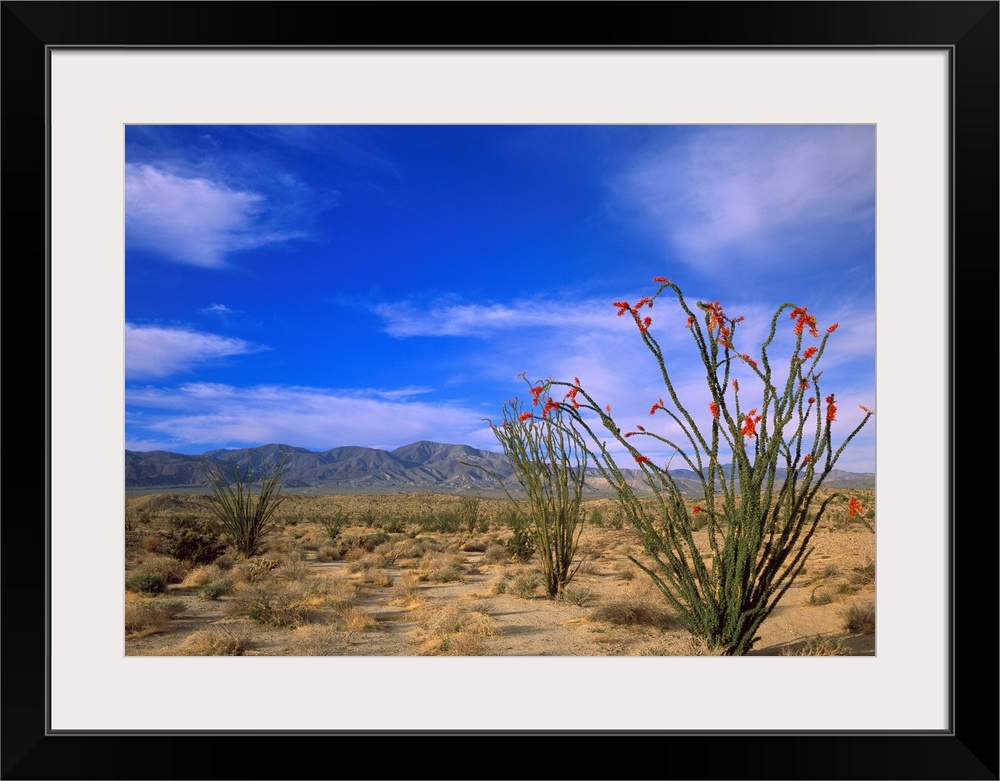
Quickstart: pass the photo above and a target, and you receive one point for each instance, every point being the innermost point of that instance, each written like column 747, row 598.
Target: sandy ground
column 397, row 610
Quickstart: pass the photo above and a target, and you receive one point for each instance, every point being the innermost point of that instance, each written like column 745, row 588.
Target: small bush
column 145, row 583
column 521, row 545
column 193, row 540
column 860, row 618
column 148, row 616
column 495, row 554
column 627, row 612
column 150, row 543
column 577, row 595
column 216, row 589
column 334, row 524
column 328, row 553
column 524, row 586
column 216, row 640
column 171, row 570
column 202, row 575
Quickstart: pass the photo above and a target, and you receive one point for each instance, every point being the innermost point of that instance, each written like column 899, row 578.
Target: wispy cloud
column 196, row 221
column 219, row 415
column 759, row 191
column 456, row 318
column 155, row 351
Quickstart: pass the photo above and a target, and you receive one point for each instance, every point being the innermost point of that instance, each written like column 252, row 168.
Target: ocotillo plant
column 759, row 522
column 550, row 463
column 245, row 514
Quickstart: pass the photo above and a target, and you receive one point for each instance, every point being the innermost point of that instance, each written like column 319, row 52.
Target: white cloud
column 218, row 309
column 455, row 318
column 218, row 415
column 756, row 190
column 196, row 221
column 154, row 351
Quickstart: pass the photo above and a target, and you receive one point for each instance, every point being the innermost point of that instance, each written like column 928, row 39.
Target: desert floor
column 408, row 589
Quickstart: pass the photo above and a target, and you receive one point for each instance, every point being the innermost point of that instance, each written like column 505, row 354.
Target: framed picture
column 77, row 75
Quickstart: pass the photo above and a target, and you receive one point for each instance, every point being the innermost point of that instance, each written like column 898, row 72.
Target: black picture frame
column 968, row 30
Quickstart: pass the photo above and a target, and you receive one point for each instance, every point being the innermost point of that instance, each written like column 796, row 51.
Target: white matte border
column 95, row 93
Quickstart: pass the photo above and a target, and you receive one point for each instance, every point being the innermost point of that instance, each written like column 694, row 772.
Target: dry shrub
column 202, row 575
column 254, row 570
column 275, row 603
column 356, row 620
column 293, row 570
column 360, row 561
column 860, row 618
column 455, row 630
column 171, row 570
column 495, row 554
column 440, row 568
column 145, row 617
column 625, row 612
column 150, row 544
column 405, row 594
column 216, row 640
column 328, row 553
column 315, row 640
column 821, row 646
column 378, row 577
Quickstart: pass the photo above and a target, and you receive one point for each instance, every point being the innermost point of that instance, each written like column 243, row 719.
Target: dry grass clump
column 819, row 645
column 455, row 629
column 202, row 575
column 359, row 560
column 639, row 605
column 440, row 568
column 860, row 618
column 144, row 617
column 377, row 577
column 495, row 554
column 216, row 640
column 315, row 640
column 254, row 570
column 150, row 543
column 863, row 575
column 170, row 569
column 274, row 603
column 629, row 612
column 406, row 594
column 354, row 619
column 328, row 553
column 577, row 595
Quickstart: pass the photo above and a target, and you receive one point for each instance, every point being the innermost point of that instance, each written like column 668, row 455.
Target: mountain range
column 420, row 466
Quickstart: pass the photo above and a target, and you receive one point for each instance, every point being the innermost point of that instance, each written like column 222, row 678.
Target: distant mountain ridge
column 419, row 466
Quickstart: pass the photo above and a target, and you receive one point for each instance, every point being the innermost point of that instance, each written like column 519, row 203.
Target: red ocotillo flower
column 833, row 328
column 854, row 507
column 535, row 393
column 623, row 307
column 809, row 353
column 525, row 415
column 641, row 459
column 662, row 280
column 696, row 509
column 831, row 409
column 714, row 409
column 550, row 405
column 750, row 424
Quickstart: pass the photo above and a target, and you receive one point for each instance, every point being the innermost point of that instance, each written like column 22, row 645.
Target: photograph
column 579, row 381
column 462, row 390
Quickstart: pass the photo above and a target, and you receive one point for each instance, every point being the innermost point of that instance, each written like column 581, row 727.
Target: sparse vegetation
column 860, row 618
column 245, row 498
column 293, row 600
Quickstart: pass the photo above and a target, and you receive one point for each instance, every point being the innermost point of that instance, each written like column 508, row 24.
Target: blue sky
column 321, row 286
